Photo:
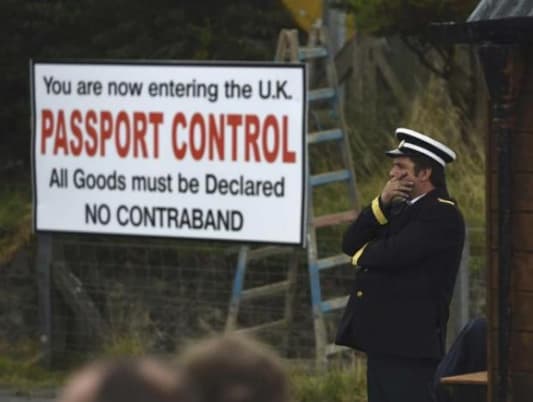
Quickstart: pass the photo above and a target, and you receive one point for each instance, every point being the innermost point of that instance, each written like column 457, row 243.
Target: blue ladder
column 327, row 128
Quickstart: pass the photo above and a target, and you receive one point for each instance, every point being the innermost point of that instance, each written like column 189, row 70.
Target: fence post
column 42, row 268
column 464, row 289
column 460, row 306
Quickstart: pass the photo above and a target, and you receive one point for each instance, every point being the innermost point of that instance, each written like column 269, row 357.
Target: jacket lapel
column 403, row 216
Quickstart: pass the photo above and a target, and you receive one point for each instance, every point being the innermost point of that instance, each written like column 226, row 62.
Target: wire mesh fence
column 115, row 295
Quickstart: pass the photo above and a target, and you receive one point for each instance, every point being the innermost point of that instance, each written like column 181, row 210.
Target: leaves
column 406, row 17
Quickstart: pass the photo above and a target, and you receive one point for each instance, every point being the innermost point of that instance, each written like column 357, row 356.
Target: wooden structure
column 470, row 387
column 508, row 70
column 364, row 62
column 476, row 378
column 504, row 33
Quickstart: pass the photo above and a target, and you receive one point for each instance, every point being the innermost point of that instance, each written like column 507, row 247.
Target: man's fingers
column 397, row 187
column 401, row 194
column 405, row 187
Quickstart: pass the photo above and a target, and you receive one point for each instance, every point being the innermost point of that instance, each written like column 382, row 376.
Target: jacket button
column 359, row 293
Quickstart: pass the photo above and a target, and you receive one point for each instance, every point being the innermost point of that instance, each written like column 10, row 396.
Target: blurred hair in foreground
column 131, row 380
column 232, row 368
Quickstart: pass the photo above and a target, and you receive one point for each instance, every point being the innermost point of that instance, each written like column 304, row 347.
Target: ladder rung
column 321, row 94
column 267, row 251
column 326, row 135
column 333, row 304
column 306, row 53
column 266, row 290
column 332, row 349
column 331, row 177
column 268, row 326
column 334, row 261
column 334, row 219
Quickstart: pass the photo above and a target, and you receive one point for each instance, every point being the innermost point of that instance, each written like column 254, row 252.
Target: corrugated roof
column 501, row 9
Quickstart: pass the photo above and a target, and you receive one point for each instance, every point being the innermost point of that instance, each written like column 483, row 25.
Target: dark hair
column 128, row 379
column 138, row 380
column 437, row 178
column 236, row 369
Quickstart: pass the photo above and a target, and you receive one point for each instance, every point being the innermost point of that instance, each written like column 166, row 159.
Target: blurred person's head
column 131, row 380
column 235, row 369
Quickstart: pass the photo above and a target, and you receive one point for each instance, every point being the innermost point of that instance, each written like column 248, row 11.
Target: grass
column 433, row 112
column 20, row 368
column 15, row 220
column 335, row 385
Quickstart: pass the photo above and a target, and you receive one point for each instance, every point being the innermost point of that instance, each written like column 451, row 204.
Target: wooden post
column 503, row 65
column 42, row 269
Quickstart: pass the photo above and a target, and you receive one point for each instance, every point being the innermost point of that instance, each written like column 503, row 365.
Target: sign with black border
column 207, row 151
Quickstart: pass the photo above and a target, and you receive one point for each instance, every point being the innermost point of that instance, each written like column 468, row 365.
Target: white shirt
column 411, row 202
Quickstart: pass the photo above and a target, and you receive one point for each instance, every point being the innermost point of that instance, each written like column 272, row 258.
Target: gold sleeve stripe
column 378, row 213
column 446, row 201
column 357, row 254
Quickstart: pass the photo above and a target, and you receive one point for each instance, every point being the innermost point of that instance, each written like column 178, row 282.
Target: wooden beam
column 390, row 77
column 477, row 378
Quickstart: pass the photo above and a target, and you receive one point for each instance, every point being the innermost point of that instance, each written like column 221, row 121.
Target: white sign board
column 198, row 151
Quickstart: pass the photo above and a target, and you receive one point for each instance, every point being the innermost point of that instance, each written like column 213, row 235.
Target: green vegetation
column 123, row 345
column 335, row 385
column 384, row 17
column 435, row 112
column 15, row 219
column 20, row 368
column 126, row 337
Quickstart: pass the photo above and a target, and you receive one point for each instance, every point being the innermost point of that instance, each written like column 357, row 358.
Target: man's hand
column 396, row 188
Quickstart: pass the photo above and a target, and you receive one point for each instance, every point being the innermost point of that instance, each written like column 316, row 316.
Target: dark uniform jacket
column 406, row 266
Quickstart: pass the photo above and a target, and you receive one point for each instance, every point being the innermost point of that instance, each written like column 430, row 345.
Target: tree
column 404, row 17
column 410, row 19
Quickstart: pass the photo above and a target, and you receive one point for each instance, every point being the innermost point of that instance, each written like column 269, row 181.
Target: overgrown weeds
column 21, row 370
column 15, row 219
column 335, row 385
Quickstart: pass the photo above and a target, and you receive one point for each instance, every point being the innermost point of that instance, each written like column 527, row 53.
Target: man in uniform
column 406, row 248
